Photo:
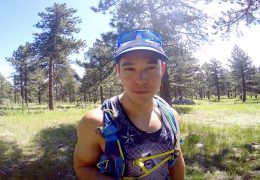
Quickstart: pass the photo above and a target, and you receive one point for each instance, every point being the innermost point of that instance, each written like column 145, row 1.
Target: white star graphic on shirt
column 128, row 137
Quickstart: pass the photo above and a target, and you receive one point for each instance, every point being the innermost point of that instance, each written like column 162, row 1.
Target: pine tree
column 99, row 65
column 5, row 90
column 56, row 42
column 180, row 24
column 21, row 61
column 216, row 75
column 241, row 69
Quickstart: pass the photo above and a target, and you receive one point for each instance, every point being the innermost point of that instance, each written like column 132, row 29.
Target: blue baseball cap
column 139, row 40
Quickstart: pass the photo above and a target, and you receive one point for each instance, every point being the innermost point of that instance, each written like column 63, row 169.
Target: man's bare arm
column 88, row 148
column 177, row 171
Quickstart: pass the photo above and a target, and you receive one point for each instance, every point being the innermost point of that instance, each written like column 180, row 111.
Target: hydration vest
column 112, row 161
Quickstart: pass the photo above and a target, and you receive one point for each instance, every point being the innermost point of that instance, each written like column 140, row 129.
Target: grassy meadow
column 220, row 140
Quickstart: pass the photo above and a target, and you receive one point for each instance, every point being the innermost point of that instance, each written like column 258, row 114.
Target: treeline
column 43, row 70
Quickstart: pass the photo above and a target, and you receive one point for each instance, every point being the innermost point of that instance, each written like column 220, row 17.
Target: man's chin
column 141, row 93
column 142, row 98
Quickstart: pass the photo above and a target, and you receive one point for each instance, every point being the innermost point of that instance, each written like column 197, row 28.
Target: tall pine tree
column 56, row 42
column 179, row 23
column 241, row 69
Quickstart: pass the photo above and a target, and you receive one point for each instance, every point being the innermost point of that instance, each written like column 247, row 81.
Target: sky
column 221, row 48
column 17, row 19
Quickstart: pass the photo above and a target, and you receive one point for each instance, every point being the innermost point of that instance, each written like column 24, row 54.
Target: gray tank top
column 137, row 143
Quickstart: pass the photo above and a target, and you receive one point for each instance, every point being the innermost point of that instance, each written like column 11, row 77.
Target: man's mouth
column 141, row 91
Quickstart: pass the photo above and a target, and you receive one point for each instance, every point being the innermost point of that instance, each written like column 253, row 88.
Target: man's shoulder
column 93, row 114
column 92, row 119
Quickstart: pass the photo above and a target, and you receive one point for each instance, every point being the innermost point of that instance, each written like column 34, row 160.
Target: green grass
column 225, row 131
column 221, row 113
column 38, row 144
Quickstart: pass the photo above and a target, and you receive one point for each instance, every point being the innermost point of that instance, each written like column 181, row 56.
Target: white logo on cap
column 138, row 36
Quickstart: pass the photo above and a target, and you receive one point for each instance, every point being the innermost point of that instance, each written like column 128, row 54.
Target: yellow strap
column 120, row 149
column 129, row 178
column 121, row 154
column 155, row 167
column 154, row 156
column 148, row 171
column 106, row 162
column 140, row 162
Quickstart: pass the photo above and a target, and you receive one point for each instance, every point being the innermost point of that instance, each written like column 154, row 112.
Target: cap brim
column 163, row 56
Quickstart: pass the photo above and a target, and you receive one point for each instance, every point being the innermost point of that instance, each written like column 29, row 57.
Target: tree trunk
column 244, row 89
column 26, row 96
column 208, row 95
column 51, row 99
column 179, row 91
column 21, row 85
column 25, row 88
column 62, row 95
column 1, row 93
column 84, row 96
column 218, row 91
column 164, row 90
column 56, row 92
column 15, row 92
column 175, row 92
column 70, row 97
column 15, row 96
column 200, row 93
column 39, row 97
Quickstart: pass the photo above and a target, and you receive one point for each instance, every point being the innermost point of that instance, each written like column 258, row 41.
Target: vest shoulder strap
column 168, row 112
column 112, row 160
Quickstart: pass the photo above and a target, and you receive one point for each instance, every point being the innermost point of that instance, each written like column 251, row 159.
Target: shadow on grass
column 5, row 111
column 20, row 108
column 9, row 153
column 53, row 158
column 253, row 102
column 183, row 109
column 230, row 160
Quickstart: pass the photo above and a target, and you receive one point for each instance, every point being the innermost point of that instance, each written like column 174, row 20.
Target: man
column 148, row 144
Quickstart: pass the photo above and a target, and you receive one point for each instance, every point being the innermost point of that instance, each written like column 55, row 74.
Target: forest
column 42, row 105
column 43, row 72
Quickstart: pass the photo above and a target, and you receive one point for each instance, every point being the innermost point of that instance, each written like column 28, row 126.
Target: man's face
column 140, row 73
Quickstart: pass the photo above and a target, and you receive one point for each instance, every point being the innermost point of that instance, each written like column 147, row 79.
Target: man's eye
column 129, row 69
column 151, row 68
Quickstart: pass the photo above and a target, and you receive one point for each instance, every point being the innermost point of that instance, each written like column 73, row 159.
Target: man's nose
column 141, row 77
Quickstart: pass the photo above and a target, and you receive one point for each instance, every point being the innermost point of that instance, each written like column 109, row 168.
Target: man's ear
column 163, row 68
